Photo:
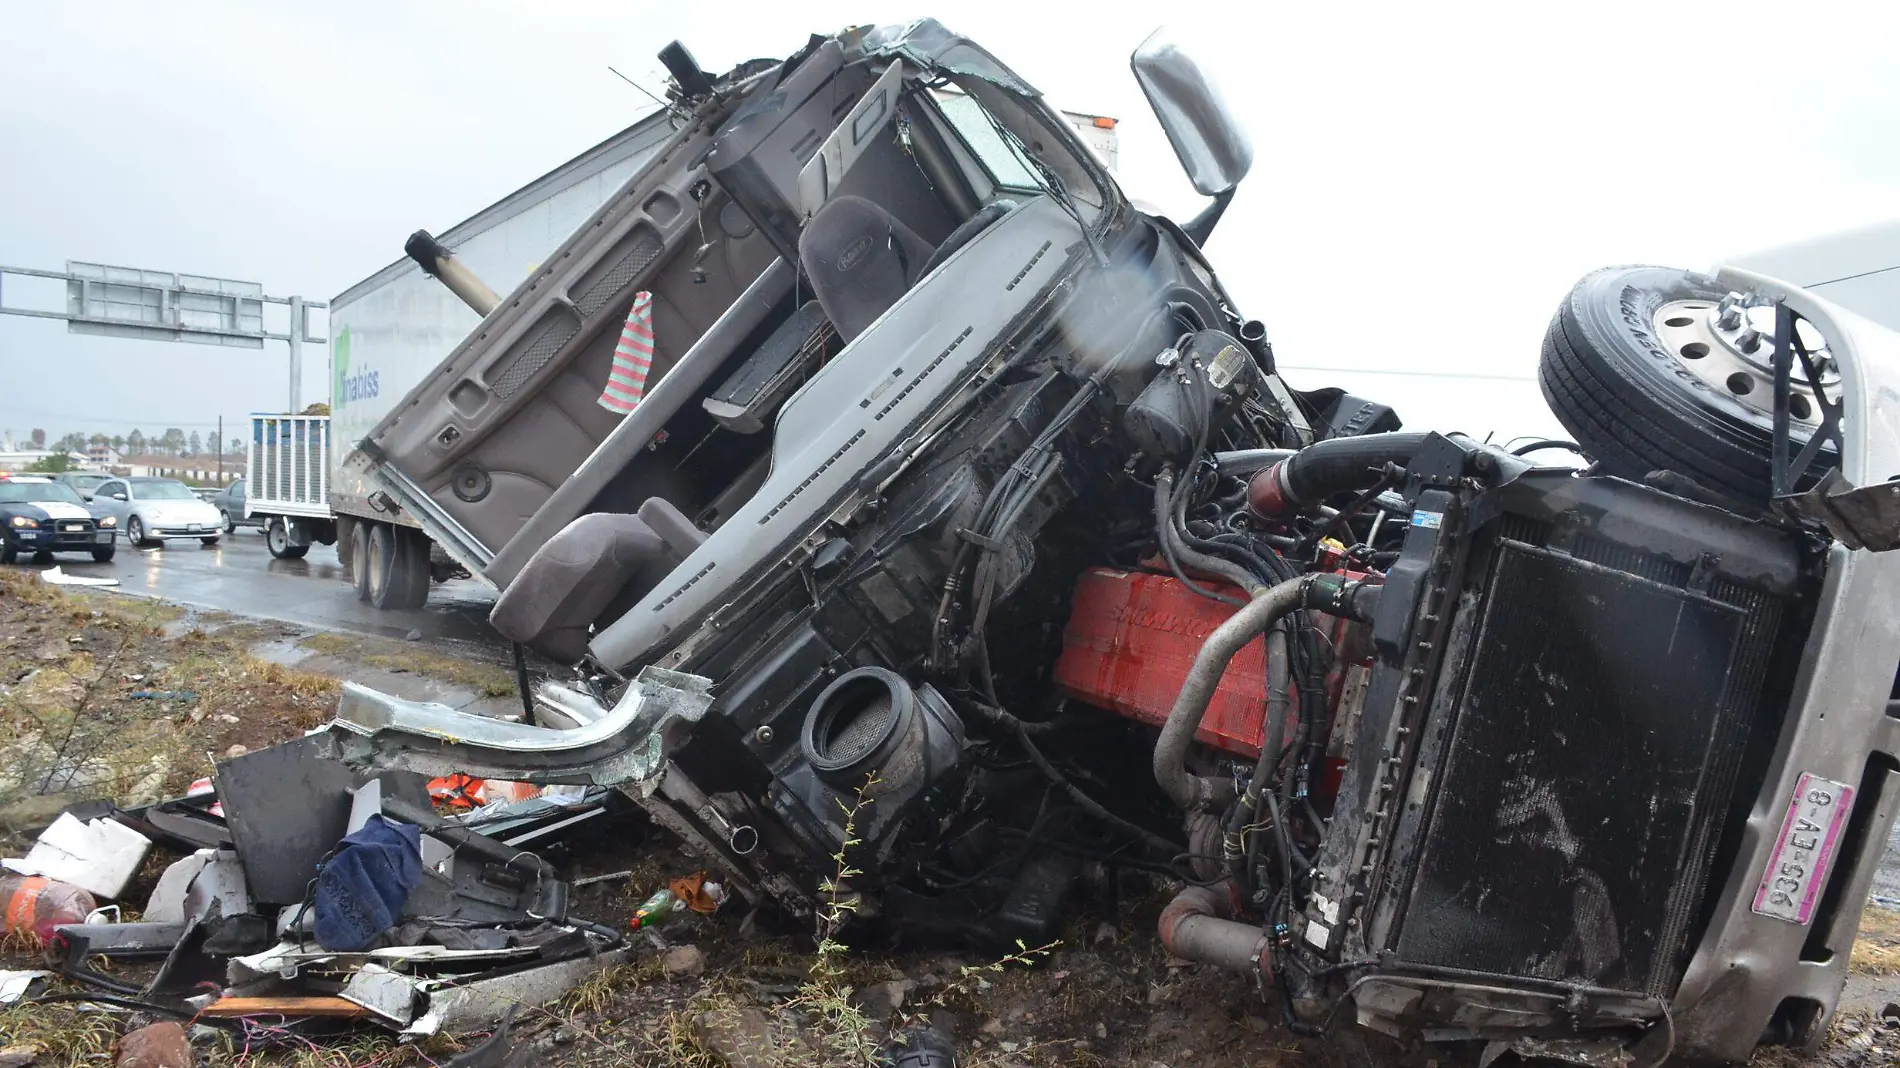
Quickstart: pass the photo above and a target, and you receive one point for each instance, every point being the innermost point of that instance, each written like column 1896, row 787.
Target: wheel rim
column 1729, row 347
column 135, row 530
column 278, row 539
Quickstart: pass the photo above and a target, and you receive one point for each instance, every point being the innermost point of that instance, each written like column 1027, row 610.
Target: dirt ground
column 106, row 695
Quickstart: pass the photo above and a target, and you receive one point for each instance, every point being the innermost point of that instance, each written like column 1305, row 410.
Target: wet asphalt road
column 239, row 576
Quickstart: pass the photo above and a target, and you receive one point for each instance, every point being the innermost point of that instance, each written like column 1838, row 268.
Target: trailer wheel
column 359, row 558
column 393, row 569
column 277, row 539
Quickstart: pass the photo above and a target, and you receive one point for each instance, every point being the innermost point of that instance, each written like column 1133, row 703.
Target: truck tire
column 1637, row 405
column 411, row 578
column 398, row 574
column 277, row 540
column 359, row 558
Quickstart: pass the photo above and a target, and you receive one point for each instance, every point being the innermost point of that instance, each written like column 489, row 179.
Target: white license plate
column 192, row 527
column 70, row 527
column 1817, row 816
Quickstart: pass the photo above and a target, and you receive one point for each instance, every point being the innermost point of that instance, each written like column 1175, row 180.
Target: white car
column 150, row 509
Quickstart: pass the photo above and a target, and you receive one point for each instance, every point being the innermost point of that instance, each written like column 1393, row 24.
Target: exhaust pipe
column 1197, row 926
column 439, row 263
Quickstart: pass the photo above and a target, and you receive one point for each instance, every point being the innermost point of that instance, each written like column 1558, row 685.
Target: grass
column 66, row 1035
column 489, row 680
column 1877, row 950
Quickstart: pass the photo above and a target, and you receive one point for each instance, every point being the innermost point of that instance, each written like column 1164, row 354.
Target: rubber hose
column 1321, row 470
column 1184, row 719
column 1233, row 850
column 1189, row 557
column 1195, row 926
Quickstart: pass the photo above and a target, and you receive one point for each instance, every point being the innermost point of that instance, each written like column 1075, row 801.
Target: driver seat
column 861, row 259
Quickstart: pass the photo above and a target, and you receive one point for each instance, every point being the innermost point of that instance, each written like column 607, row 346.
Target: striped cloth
column 627, row 382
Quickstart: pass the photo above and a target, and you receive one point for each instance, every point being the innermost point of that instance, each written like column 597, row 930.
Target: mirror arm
column 1199, row 227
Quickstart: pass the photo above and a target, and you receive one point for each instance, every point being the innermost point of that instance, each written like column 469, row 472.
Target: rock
column 236, row 751
column 879, row 1000
column 226, row 717
column 683, row 962
column 412, row 636
column 1104, row 934
column 161, row 1045
column 1101, row 1029
column 566, row 1036
column 992, row 1027
column 18, row 1056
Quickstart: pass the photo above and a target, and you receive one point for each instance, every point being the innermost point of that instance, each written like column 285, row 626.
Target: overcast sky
column 1428, row 179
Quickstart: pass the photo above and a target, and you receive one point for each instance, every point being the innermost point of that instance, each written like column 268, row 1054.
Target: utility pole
column 293, row 363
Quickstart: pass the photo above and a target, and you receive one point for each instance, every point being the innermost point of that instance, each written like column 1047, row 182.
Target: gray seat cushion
column 568, row 582
column 859, row 259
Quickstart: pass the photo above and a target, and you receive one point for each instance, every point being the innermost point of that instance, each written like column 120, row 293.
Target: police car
column 43, row 517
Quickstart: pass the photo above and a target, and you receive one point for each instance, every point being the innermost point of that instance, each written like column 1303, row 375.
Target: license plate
column 193, row 526
column 71, row 527
column 1817, row 814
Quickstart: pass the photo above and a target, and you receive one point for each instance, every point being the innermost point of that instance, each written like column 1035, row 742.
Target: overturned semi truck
column 961, row 488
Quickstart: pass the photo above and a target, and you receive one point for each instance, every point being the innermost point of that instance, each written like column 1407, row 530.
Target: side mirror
column 118, row 496
column 1212, row 148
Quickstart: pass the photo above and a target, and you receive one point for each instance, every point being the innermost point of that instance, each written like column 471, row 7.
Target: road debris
column 98, row 855
column 54, row 576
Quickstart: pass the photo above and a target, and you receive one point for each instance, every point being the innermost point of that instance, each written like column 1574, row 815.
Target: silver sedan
column 151, row 509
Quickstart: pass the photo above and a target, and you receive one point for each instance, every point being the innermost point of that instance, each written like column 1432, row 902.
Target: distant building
column 15, row 461
column 102, row 455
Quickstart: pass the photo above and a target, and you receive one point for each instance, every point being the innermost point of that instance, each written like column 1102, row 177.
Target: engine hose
column 1244, row 811
column 1328, row 467
column 1327, row 593
column 1197, row 926
column 1178, row 549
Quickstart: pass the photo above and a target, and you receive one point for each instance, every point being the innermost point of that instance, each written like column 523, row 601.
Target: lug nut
column 1749, row 340
column 1728, row 314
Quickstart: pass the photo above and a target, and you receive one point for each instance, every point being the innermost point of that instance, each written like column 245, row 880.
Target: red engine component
column 1132, row 636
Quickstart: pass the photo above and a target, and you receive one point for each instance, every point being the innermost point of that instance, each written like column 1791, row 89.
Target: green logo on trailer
column 349, row 388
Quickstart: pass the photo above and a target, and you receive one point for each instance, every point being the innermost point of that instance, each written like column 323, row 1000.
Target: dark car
column 230, row 503
column 43, row 517
column 83, row 481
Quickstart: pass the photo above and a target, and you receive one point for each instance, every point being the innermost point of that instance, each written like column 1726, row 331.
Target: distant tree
column 98, row 439
column 173, row 441
column 135, row 441
column 39, row 438
column 237, row 444
column 73, row 442
column 197, row 444
column 118, row 442
column 51, row 464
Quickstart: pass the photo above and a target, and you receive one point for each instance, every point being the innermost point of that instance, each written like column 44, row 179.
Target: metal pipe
column 1184, row 719
column 441, row 264
column 1196, row 926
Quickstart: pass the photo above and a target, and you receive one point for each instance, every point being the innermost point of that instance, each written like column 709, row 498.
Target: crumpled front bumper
column 1752, row 971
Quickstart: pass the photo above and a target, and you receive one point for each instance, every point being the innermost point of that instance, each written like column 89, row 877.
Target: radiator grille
column 1596, row 697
